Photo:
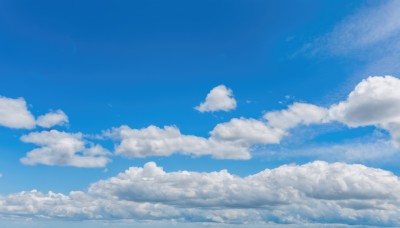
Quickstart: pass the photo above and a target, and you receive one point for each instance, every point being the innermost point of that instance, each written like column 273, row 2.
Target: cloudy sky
column 204, row 113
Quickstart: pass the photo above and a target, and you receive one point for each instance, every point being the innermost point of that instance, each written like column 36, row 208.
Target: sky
column 199, row 113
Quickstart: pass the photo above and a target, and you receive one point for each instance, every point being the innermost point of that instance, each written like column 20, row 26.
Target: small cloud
column 64, row 149
column 14, row 113
column 52, row 119
column 220, row 98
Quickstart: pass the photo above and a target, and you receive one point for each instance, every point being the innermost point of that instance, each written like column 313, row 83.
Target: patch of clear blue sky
column 108, row 63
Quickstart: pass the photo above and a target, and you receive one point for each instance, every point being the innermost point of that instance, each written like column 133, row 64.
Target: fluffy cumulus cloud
column 65, row 149
column 15, row 114
column 155, row 141
column 220, row 98
column 374, row 101
column 316, row 192
column 52, row 119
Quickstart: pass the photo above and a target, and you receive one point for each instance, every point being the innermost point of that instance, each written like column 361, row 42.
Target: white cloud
column 155, row 141
column 78, row 205
column 52, row 119
column 316, row 192
column 15, row 114
column 317, row 180
column 229, row 140
column 65, row 149
column 220, row 98
column 296, row 114
column 271, row 131
column 247, row 131
column 374, row 101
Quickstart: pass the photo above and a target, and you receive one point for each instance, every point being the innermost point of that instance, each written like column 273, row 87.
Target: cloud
column 274, row 126
column 155, row 141
column 317, row 180
column 247, row 131
column 229, row 140
column 296, row 114
column 15, row 114
column 65, row 149
column 374, row 101
column 52, row 119
column 316, row 192
column 220, row 98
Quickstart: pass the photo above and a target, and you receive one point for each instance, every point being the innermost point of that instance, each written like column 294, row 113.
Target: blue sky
column 97, row 96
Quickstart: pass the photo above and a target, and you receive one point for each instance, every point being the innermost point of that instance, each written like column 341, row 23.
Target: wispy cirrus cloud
column 369, row 35
column 374, row 25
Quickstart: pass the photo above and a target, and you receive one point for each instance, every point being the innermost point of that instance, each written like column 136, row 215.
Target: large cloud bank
column 316, row 192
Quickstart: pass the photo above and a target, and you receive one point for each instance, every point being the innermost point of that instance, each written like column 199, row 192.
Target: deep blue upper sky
column 149, row 62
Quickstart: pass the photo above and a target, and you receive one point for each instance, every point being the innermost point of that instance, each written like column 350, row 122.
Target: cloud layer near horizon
column 316, row 192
